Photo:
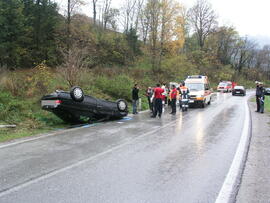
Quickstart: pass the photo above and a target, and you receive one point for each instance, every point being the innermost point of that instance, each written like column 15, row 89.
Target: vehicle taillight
column 58, row 101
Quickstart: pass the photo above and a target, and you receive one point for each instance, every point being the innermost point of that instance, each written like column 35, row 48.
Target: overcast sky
column 249, row 17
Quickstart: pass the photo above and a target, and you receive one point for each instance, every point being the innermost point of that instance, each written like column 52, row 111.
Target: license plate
column 237, row 92
column 191, row 101
column 48, row 103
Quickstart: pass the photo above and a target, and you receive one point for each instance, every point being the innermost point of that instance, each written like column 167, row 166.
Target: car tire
column 209, row 102
column 203, row 104
column 122, row 105
column 77, row 94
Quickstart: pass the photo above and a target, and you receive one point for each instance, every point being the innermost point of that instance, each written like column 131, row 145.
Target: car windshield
column 238, row 87
column 222, row 84
column 195, row 86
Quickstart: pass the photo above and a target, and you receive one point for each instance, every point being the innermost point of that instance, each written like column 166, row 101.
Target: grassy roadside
column 266, row 103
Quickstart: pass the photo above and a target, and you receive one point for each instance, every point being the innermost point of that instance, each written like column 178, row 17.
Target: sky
column 249, row 17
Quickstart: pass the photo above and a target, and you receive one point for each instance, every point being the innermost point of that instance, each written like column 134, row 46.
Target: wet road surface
column 181, row 158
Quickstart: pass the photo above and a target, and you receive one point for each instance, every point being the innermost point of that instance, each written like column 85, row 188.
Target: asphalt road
column 181, row 158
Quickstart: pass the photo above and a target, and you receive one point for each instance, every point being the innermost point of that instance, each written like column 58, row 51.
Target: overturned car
column 75, row 107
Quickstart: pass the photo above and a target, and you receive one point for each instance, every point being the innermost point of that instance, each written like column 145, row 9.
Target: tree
column 153, row 8
column 144, row 24
column 71, row 7
column 12, row 23
column 166, row 31
column 106, row 12
column 74, row 65
column 131, row 11
column 244, row 53
column 203, row 19
column 221, row 43
column 94, row 10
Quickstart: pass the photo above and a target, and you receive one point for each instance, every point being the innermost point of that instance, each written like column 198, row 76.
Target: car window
column 195, row 86
column 222, row 84
column 238, row 87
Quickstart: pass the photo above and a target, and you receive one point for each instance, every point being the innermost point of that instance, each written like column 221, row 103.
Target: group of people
column 160, row 96
column 260, row 91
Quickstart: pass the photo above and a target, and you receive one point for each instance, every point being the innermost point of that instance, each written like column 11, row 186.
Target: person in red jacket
column 158, row 101
column 173, row 95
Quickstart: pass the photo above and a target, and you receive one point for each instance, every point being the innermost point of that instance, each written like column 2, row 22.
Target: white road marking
column 57, row 171
column 38, row 137
column 230, row 186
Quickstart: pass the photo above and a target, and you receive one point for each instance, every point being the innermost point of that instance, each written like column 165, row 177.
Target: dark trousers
column 258, row 103
column 173, row 105
column 158, row 107
column 261, row 105
column 150, row 104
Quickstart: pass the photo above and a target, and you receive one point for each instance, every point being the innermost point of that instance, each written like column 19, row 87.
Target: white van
column 199, row 90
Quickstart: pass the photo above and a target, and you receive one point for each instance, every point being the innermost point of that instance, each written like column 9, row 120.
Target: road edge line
column 78, row 163
column 230, row 187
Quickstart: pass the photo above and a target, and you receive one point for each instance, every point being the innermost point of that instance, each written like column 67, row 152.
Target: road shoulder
column 255, row 185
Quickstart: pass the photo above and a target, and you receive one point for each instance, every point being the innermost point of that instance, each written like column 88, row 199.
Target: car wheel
column 77, row 94
column 203, row 104
column 209, row 102
column 121, row 105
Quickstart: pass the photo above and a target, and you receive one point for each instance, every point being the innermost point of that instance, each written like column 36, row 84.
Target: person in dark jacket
column 135, row 98
column 260, row 97
column 262, row 91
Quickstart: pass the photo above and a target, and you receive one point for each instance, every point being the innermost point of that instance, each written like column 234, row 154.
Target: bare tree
column 144, row 20
column 73, row 67
column 244, row 54
column 106, row 7
column 203, row 19
column 71, row 7
column 154, row 7
column 128, row 13
column 94, row 2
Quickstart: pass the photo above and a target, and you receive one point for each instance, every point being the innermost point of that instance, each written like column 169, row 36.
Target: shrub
column 119, row 87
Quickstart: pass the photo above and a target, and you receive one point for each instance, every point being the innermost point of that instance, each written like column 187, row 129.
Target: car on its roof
column 239, row 90
column 75, row 107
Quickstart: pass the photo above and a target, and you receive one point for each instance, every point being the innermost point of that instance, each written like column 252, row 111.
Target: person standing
column 259, row 94
column 173, row 95
column 158, row 91
column 149, row 94
column 135, row 98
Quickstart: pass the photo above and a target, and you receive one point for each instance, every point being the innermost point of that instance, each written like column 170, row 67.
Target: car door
column 207, row 92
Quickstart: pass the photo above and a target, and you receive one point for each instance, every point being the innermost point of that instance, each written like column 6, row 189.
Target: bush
column 119, row 87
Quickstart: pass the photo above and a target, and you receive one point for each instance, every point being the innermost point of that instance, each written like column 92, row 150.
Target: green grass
column 7, row 134
column 267, row 103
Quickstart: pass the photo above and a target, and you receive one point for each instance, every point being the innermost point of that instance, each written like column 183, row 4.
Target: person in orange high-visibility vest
column 184, row 91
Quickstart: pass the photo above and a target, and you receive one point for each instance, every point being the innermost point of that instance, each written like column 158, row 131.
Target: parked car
column 239, row 90
column 75, row 107
column 200, row 92
column 225, row 86
column 267, row 91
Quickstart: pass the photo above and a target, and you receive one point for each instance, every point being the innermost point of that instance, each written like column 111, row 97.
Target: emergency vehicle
column 200, row 92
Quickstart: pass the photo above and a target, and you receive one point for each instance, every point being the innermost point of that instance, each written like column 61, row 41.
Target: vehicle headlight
column 200, row 97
